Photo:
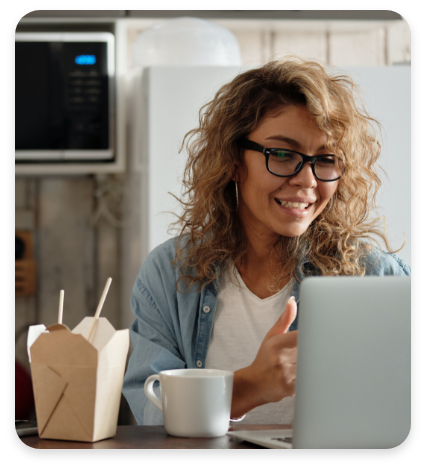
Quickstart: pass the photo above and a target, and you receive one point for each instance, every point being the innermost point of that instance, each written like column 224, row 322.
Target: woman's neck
column 261, row 264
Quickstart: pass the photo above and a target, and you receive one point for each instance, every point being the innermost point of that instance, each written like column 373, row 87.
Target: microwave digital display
column 85, row 59
column 63, row 104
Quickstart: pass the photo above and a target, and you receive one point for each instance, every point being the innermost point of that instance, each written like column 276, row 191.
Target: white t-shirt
column 241, row 322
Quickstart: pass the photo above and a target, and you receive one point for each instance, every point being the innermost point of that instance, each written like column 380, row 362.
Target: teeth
column 293, row 204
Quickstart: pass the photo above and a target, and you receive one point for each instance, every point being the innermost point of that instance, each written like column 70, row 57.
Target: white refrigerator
column 164, row 104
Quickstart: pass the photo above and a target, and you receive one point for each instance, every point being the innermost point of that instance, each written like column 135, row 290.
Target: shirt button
column 206, row 309
column 199, row 363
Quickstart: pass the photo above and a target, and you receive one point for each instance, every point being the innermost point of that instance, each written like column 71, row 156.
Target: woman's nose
column 305, row 177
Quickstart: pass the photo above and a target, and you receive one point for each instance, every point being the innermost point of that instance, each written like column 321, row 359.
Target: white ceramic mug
column 195, row 403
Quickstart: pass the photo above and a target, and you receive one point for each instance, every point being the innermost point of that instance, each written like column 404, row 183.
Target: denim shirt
column 172, row 330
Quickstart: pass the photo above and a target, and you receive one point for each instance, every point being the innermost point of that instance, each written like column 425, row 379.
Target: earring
column 236, row 192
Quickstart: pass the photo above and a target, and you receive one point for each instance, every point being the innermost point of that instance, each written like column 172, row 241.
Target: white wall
column 387, row 98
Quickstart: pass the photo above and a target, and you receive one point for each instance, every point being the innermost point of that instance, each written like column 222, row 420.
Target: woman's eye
column 284, row 155
column 327, row 161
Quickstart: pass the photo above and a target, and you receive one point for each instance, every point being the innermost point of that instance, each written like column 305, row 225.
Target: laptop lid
column 353, row 366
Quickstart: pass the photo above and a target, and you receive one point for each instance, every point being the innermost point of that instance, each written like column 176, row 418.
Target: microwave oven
column 64, row 97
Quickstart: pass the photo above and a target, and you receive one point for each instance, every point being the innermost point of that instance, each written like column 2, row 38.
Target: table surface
column 153, row 437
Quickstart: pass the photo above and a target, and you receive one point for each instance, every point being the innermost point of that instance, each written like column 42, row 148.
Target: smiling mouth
column 298, row 205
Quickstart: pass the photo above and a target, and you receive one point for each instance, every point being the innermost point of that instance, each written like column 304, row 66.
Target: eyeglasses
column 284, row 163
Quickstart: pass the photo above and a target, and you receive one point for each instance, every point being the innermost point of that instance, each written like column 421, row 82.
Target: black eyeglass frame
column 249, row 145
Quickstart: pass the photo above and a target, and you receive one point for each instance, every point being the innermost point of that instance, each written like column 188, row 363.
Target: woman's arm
column 154, row 349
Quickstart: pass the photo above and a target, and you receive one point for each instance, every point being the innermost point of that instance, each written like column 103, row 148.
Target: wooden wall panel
column 25, row 315
column 311, row 45
column 251, row 46
column 20, row 194
column 363, row 48
column 25, row 307
column 107, row 265
column 66, row 249
column 399, row 42
column 359, row 44
column 132, row 34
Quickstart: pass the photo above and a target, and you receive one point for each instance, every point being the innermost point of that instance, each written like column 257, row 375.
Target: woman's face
column 261, row 194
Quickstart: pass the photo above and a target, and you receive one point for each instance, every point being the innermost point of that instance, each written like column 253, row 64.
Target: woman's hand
column 271, row 376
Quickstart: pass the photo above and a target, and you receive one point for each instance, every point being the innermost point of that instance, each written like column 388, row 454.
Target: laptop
column 353, row 368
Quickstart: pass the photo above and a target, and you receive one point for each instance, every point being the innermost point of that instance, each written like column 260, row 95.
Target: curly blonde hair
column 209, row 229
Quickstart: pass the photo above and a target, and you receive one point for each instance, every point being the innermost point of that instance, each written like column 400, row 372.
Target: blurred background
column 118, row 90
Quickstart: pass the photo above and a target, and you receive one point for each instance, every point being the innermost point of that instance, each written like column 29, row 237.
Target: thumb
column 285, row 320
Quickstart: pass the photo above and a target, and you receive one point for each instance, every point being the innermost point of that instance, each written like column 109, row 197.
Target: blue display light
column 85, row 59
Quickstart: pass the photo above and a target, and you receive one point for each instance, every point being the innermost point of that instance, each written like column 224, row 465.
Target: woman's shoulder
column 159, row 265
column 159, row 260
column 166, row 250
column 156, row 279
column 378, row 262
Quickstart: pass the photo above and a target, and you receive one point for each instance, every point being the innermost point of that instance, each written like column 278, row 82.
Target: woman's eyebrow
column 292, row 142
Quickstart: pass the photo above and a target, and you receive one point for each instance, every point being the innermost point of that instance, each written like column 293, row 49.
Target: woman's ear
column 236, row 175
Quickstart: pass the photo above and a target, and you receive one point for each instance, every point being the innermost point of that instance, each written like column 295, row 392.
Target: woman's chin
column 290, row 231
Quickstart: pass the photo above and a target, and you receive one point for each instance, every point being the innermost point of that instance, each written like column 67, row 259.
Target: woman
column 279, row 185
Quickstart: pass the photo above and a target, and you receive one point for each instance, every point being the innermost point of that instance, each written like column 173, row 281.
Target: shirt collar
column 295, row 290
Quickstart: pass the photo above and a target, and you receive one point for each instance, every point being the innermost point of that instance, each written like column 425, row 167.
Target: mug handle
column 149, row 390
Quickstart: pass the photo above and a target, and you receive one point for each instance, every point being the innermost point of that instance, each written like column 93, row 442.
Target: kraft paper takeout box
column 77, row 384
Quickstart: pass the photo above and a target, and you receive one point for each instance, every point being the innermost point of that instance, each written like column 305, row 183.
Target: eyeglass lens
column 286, row 163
